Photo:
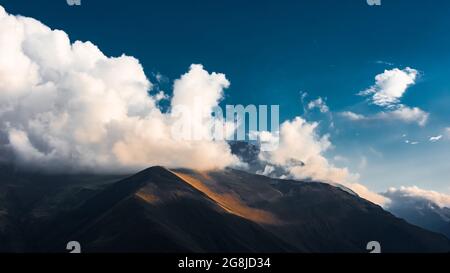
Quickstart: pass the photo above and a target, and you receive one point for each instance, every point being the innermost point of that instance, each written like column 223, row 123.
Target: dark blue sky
column 271, row 50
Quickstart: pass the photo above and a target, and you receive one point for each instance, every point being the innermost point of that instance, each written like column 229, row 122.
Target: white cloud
column 435, row 138
column 199, row 84
column 68, row 106
column 402, row 113
column 298, row 142
column 367, row 194
column 320, row 104
column 390, row 86
column 301, row 153
column 353, row 116
column 441, row 199
column 384, row 63
column 405, row 114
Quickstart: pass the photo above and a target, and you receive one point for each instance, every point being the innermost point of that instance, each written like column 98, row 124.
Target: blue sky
column 274, row 50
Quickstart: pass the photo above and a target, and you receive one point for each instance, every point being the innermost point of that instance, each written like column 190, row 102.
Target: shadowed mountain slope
column 160, row 210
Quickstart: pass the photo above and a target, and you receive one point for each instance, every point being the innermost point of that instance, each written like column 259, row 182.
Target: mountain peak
column 181, row 210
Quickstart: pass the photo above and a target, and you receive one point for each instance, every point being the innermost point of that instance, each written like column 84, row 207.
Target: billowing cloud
column 367, row 194
column 440, row 199
column 301, row 154
column 67, row 106
column 300, row 150
column 390, row 86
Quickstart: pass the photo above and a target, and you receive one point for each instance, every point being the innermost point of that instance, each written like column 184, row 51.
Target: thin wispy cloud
column 403, row 114
column 320, row 104
column 447, row 132
column 384, row 63
column 435, row 138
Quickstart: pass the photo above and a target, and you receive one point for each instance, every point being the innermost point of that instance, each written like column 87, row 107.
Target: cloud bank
column 301, row 154
column 67, row 106
column 301, row 150
column 440, row 199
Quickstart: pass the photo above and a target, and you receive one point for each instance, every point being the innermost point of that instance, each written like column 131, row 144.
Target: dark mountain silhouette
column 27, row 200
column 421, row 212
column 161, row 210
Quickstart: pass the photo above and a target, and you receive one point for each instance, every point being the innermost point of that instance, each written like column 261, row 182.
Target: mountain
column 156, row 211
column 27, row 200
column 421, row 212
column 162, row 210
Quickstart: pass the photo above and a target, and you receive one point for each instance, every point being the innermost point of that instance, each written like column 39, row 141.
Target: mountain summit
column 162, row 210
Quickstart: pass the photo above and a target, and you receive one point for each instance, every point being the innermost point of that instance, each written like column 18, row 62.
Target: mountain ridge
column 421, row 212
column 311, row 216
column 179, row 210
